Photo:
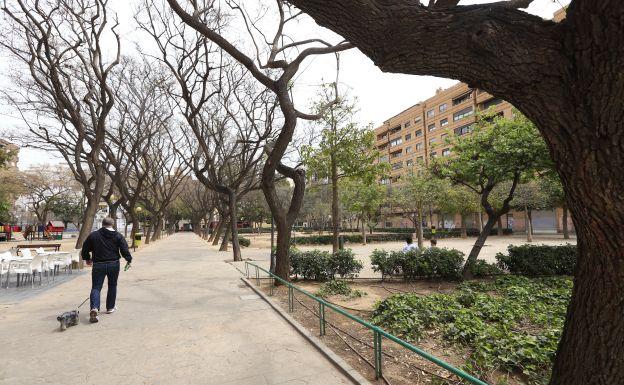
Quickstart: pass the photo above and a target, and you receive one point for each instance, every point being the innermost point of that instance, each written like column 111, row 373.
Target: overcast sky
column 381, row 95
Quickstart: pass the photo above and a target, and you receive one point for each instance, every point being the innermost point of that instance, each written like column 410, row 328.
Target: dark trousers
column 100, row 271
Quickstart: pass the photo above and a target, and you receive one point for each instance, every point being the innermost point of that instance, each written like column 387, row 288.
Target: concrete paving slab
column 183, row 318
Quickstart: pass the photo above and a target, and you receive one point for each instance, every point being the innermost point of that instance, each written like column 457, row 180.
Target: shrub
column 539, row 260
column 430, row 263
column 338, row 288
column 320, row 265
column 344, row 263
column 245, row 242
column 326, row 239
column 483, row 269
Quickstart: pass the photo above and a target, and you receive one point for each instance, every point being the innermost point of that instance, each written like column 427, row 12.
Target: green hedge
column 245, row 242
column 428, row 263
column 447, row 233
column 326, row 239
column 317, row 265
column 539, row 260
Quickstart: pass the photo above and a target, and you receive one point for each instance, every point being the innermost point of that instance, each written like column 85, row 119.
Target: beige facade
column 418, row 133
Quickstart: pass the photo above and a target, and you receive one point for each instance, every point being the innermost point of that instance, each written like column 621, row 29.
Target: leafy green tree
column 364, row 199
column 253, row 207
column 69, row 208
column 417, row 190
column 458, row 200
column 498, row 150
column 345, row 150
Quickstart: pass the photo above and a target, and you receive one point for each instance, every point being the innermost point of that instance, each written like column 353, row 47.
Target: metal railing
column 378, row 333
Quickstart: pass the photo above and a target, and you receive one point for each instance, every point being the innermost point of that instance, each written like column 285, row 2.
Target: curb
column 336, row 360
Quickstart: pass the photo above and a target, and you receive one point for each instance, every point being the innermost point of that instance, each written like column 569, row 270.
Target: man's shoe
column 93, row 316
column 110, row 311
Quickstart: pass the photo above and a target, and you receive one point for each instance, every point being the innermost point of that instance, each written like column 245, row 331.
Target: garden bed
column 430, row 315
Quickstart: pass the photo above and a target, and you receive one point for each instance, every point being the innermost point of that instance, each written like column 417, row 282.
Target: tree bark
column 419, row 228
column 363, row 233
column 236, row 252
column 529, row 224
column 226, row 238
column 216, row 235
column 476, row 248
column 93, row 200
column 499, row 226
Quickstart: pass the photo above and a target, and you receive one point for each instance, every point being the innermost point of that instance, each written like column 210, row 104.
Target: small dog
column 69, row 318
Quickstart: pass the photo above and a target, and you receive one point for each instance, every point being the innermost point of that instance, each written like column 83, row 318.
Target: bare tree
column 274, row 66
column 43, row 188
column 138, row 116
column 66, row 85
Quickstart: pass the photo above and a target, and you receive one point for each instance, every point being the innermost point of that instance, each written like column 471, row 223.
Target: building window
column 408, row 149
column 432, row 141
column 397, row 165
column 446, row 152
column 430, row 113
column 408, row 137
column 419, row 146
column 407, row 124
column 383, row 159
column 443, row 107
column 443, row 136
column 382, row 136
column 431, row 127
column 433, row 154
column 417, row 119
column 490, row 103
column 409, row 163
column 462, row 114
column 461, row 99
column 443, row 122
column 418, row 133
column 396, row 142
column 419, row 159
column 395, row 130
column 395, row 154
column 463, row 129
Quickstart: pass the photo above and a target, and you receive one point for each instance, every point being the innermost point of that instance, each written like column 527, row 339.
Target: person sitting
column 409, row 245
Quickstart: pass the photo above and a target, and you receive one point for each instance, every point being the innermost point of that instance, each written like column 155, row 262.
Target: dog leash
column 83, row 302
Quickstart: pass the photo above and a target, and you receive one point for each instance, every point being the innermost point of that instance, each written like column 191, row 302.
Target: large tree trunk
column 236, row 252
column 478, row 245
column 216, row 235
column 87, row 220
column 480, row 221
column 157, row 228
column 529, row 224
column 135, row 230
column 363, row 233
column 564, row 224
column 226, row 238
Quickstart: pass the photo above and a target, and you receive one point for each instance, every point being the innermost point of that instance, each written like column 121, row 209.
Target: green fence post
column 272, row 286
column 257, row 276
column 247, row 269
column 377, row 353
column 322, row 318
column 290, row 299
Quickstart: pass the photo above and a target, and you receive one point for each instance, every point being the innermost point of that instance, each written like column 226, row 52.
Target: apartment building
column 416, row 135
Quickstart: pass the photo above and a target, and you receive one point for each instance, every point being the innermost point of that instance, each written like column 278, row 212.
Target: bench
column 55, row 246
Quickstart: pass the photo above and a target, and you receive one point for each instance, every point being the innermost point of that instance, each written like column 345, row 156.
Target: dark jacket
column 106, row 246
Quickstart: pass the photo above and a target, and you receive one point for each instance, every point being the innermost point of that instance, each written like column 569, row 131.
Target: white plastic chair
column 61, row 261
column 5, row 257
column 29, row 269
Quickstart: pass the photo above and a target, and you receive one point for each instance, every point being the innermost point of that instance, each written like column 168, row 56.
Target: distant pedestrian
column 102, row 249
column 409, row 245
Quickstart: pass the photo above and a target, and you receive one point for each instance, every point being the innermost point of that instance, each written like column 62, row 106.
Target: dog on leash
column 69, row 318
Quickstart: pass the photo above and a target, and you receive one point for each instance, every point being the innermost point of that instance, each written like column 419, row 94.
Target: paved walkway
column 182, row 319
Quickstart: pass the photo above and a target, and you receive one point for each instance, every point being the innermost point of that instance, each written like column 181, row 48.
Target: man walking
column 106, row 245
